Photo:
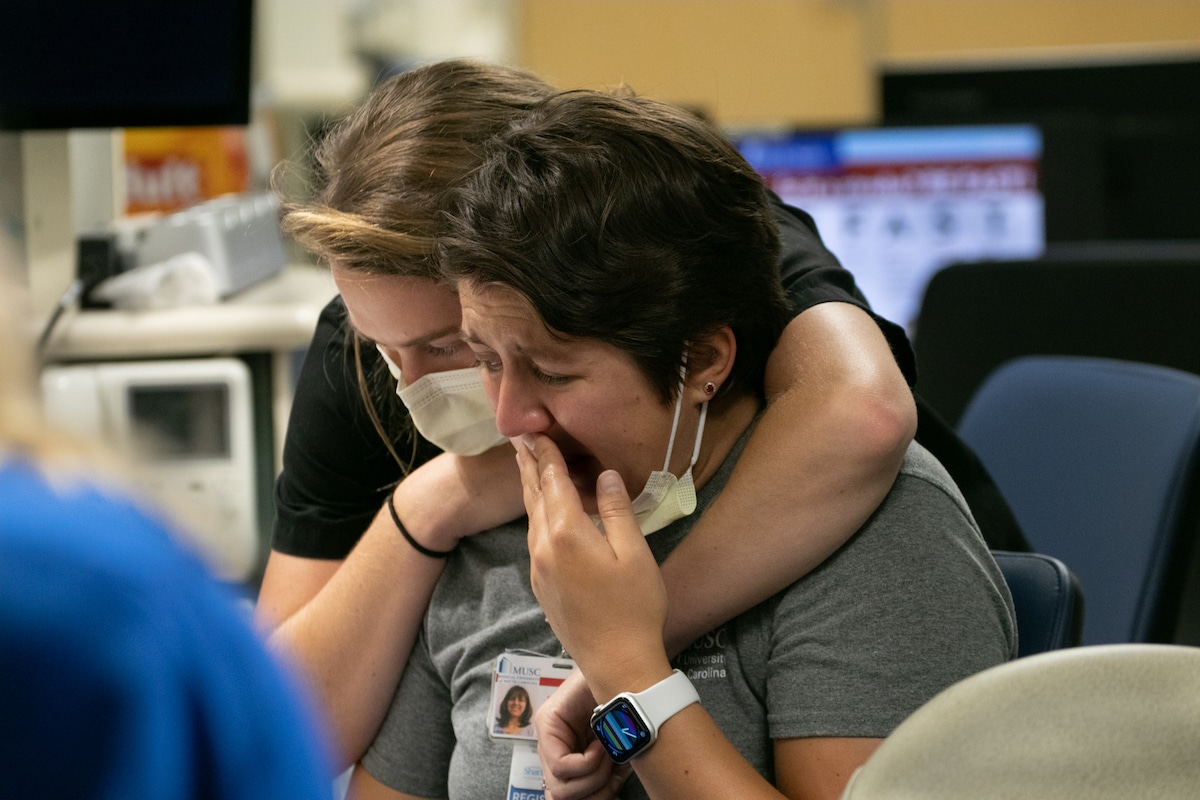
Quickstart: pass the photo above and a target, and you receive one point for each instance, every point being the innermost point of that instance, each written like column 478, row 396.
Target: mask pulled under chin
column 666, row 498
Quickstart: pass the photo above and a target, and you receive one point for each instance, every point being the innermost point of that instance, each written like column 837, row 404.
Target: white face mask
column 450, row 409
column 667, row 498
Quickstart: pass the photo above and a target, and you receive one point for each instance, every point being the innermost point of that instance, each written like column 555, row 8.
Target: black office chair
column 1047, row 600
column 1099, row 461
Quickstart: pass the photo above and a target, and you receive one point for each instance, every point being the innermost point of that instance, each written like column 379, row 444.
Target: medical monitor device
column 187, row 427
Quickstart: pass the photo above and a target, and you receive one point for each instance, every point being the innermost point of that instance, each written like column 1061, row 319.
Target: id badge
column 521, row 683
column 525, row 774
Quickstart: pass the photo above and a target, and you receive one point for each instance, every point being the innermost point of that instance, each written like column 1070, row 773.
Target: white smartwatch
column 629, row 723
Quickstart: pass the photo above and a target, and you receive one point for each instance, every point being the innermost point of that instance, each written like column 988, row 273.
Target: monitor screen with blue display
column 896, row 204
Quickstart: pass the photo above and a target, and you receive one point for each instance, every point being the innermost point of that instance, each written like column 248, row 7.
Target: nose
column 519, row 409
column 415, row 366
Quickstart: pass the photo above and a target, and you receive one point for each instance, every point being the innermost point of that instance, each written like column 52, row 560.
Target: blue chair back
column 1047, row 600
column 1097, row 459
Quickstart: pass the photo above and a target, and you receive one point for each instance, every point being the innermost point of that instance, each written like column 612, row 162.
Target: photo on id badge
column 521, row 683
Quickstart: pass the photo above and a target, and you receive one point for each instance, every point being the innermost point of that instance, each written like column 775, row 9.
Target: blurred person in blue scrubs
column 126, row 670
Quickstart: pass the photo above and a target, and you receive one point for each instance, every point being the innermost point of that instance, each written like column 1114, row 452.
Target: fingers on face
column 560, row 499
column 541, row 466
column 552, row 469
column 530, row 479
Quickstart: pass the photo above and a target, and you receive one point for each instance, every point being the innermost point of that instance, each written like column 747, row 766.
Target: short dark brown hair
column 629, row 221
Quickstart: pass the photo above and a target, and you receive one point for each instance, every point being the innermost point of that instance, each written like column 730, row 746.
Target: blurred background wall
column 747, row 62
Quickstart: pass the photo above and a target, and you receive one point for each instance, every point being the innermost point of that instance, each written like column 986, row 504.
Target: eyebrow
column 420, row 340
column 471, row 338
column 429, row 337
column 540, row 355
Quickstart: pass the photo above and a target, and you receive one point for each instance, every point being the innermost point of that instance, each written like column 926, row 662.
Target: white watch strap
column 666, row 698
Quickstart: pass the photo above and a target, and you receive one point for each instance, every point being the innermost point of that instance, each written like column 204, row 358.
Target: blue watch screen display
column 621, row 730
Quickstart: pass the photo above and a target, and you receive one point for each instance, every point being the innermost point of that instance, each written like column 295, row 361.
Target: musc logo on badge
column 507, row 667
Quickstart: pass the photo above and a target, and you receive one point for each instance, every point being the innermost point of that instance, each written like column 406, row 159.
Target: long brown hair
column 380, row 179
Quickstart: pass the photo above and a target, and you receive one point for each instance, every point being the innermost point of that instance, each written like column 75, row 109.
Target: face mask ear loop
column 699, row 434
column 678, row 408
column 674, row 427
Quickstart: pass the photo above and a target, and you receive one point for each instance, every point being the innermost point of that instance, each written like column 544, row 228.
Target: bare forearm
column 824, row 455
column 351, row 626
column 353, row 637
column 692, row 760
column 618, row 647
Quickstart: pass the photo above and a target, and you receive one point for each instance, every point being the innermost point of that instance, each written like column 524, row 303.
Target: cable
column 70, row 298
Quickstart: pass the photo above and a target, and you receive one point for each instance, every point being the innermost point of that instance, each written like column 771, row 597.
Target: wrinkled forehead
column 489, row 307
column 501, row 319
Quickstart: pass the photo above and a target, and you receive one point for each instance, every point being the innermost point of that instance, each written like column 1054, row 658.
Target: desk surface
column 278, row 314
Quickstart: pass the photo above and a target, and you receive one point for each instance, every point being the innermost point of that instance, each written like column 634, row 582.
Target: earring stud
column 710, row 388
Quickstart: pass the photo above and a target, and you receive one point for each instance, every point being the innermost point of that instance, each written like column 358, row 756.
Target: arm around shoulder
column 350, row 625
column 827, row 449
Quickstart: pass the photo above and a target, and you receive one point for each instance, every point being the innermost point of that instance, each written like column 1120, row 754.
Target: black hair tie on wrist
column 420, row 548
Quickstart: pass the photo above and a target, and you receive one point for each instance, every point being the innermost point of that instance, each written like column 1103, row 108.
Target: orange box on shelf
column 169, row 169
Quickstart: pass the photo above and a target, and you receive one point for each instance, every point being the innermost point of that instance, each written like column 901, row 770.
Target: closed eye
column 444, row 351
column 550, row 380
column 487, row 360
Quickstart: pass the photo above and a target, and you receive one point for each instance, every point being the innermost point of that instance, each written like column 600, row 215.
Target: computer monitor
column 124, row 63
column 1129, row 163
column 897, row 204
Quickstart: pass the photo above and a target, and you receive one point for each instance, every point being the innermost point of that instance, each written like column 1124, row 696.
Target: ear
column 710, row 360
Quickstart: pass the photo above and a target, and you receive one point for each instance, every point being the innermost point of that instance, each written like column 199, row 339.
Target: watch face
column 621, row 730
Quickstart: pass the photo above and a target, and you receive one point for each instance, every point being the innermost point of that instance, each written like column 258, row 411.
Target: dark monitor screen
column 897, row 204
column 124, row 63
column 181, row 422
column 1135, row 124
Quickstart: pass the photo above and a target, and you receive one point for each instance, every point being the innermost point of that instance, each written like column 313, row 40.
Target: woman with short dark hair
column 343, row 589
column 615, row 263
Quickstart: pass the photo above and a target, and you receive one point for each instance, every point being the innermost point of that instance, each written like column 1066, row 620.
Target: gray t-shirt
column 911, row 604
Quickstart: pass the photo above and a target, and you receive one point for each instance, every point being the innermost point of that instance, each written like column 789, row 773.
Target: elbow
column 881, row 418
column 895, row 423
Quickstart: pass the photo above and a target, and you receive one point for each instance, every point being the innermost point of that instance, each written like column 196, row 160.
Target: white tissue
column 187, row 279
